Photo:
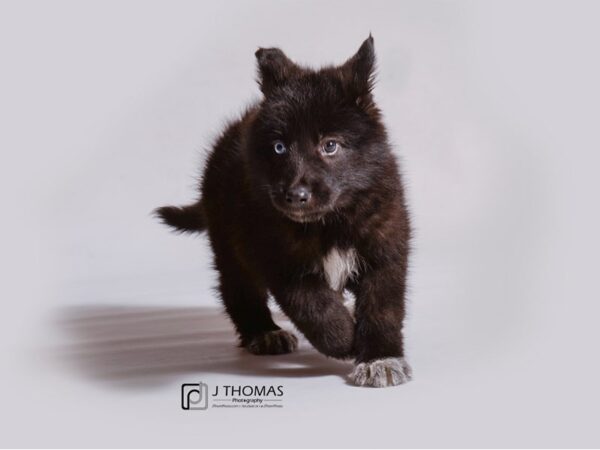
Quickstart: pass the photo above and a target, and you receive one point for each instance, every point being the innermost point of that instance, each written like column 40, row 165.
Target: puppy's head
column 316, row 138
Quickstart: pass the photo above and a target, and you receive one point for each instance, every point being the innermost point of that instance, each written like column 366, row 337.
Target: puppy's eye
column 279, row 147
column 330, row 147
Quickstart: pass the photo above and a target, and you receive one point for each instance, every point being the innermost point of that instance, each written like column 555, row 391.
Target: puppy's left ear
column 360, row 71
column 274, row 68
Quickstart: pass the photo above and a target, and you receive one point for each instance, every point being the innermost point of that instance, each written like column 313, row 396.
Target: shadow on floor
column 147, row 345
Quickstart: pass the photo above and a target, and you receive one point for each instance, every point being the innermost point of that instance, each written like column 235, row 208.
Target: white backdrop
column 106, row 109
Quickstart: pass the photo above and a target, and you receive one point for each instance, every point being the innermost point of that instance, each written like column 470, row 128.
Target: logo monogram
column 194, row 396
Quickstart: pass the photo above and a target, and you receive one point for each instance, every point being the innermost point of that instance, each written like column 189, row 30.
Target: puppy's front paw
column 274, row 342
column 382, row 372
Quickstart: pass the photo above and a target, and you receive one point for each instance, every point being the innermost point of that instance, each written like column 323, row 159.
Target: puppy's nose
column 297, row 196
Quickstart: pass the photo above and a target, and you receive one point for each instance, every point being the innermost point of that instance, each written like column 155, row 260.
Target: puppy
column 301, row 198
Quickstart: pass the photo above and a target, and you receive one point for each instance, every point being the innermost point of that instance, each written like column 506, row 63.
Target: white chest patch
column 338, row 266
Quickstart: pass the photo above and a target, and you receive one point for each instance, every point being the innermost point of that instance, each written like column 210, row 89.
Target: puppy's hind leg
column 246, row 304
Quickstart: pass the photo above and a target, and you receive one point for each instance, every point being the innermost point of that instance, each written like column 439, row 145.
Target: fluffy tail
column 190, row 218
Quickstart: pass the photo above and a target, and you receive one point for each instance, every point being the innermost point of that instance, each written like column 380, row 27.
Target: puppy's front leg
column 319, row 313
column 378, row 335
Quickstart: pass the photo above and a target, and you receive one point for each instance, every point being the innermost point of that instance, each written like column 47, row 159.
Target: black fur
column 188, row 218
column 273, row 218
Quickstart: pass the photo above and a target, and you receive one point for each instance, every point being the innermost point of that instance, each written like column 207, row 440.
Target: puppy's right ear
column 274, row 68
column 360, row 70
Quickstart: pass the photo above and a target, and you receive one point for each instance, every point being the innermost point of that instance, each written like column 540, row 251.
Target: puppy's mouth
column 300, row 215
column 303, row 216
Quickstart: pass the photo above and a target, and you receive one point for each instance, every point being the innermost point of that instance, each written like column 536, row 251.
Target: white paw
column 382, row 372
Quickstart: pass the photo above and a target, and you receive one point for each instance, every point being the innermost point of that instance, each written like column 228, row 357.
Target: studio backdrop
column 108, row 110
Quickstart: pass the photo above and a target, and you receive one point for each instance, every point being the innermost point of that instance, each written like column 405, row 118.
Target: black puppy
column 302, row 199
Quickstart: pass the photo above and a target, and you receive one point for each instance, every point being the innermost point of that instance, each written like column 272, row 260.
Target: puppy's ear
column 274, row 68
column 360, row 72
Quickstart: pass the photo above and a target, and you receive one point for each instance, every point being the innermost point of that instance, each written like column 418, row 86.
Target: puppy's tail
column 186, row 219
